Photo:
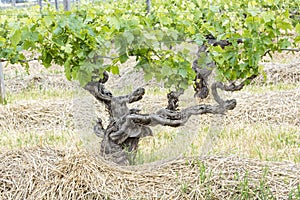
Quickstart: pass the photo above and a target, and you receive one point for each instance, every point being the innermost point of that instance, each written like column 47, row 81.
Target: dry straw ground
column 42, row 156
column 44, row 173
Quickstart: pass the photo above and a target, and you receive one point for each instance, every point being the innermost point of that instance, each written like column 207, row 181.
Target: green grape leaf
column 2, row 41
column 182, row 72
column 114, row 69
column 148, row 76
column 129, row 37
column 84, row 76
column 16, row 37
column 268, row 16
column 46, row 59
column 166, row 71
column 114, row 22
column 123, row 58
column 297, row 28
column 68, row 48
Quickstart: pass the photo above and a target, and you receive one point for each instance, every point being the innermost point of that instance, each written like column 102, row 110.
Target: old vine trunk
column 127, row 126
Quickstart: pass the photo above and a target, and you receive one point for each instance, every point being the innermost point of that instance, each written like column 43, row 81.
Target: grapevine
column 231, row 37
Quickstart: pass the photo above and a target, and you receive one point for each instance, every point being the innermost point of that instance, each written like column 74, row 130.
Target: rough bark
column 128, row 126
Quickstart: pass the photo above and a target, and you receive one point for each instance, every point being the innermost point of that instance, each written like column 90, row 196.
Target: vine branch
column 128, row 126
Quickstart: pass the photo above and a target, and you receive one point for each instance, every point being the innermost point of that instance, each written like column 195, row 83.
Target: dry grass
column 36, row 115
column 281, row 72
column 45, row 173
column 258, row 141
column 277, row 107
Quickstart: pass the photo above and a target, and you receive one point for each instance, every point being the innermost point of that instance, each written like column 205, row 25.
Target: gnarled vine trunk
column 127, row 126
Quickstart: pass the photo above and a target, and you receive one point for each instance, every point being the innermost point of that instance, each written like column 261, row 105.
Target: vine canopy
column 93, row 39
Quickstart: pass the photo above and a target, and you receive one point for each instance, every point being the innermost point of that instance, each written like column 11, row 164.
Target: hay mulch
column 280, row 73
column 274, row 107
column 281, row 107
column 39, row 82
column 45, row 173
column 36, row 115
column 18, row 80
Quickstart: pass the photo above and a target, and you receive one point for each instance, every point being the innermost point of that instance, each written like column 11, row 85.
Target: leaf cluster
column 93, row 39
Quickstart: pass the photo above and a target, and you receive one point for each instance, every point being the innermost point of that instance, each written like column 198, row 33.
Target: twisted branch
column 231, row 87
column 128, row 126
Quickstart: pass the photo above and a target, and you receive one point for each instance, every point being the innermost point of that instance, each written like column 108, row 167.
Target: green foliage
column 81, row 39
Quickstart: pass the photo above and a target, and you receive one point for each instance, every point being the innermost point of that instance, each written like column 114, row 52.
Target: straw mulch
column 280, row 73
column 36, row 116
column 39, row 82
column 45, row 173
column 273, row 107
column 18, row 80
